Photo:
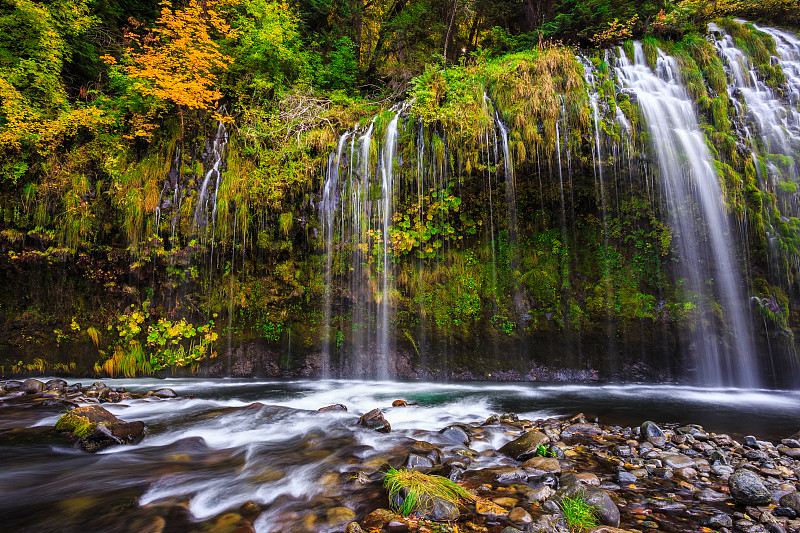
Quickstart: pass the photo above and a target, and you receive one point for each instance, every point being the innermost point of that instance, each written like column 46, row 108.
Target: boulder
column 56, row 384
column 32, row 386
column 539, row 466
column 524, row 447
column 95, row 428
column 747, row 488
column 162, row 393
column 792, row 501
column 375, row 420
column 334, row 407
column 377, row 519
column 653, row 434
column 456, row 433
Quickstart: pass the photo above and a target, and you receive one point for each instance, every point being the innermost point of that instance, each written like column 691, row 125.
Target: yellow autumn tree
column 179, row 61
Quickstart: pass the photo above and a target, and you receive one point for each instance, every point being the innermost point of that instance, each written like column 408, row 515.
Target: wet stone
column 524, row 447
column 339, row 515
column 539, row 466
column 792, row 501
column 747, row 488
column 456, row 433
column 32, row 386
column 518, row 515
column 718, row 521
column 375, row 420
column 418, row 462
column 334, row 407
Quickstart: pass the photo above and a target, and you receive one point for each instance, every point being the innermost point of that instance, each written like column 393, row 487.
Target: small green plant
column 544, row 451
column 414, row 492
column 579, row 514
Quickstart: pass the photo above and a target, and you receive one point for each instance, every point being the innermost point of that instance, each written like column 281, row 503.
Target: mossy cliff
column 528, row 230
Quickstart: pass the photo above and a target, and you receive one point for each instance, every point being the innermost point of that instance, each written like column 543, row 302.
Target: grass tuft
column 419, row 490
column 579, row 514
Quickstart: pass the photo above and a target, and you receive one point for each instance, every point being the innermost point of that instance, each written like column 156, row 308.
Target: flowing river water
column 229, row 442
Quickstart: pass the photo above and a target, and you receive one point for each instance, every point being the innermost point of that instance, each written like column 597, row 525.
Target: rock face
column 375, row 420
column 747, row 489
column 95, row 428
column 524, row 447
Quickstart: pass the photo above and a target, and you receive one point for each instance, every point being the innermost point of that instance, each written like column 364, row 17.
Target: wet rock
column 539, row 466
column 56, row 384
column 340, row 515
column 792, row 501
column 518, row 515
column 539, row 494
column 511, row 529
column 625, row 478
column 506, row 475
column 397, row 526
column 722, row 470
column 588, row 430
column 490, row 509
column 334, row 407
column 752, row 442
column 399, row 403
column 377, row 519
column 32, row 386
column 12, row 385
column 162, row 393
column 784, row 511
column 747, row 488
column 97, row 385
column 525, row 446
column 418, row 462
column 710, row 495
column 677, row 460
column 375, row 420
column 652, row 433
column 353, row 527
column 95, row 428
column 605, row 508
column 456, row 433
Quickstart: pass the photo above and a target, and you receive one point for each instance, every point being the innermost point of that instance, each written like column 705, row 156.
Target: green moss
column 75, row 424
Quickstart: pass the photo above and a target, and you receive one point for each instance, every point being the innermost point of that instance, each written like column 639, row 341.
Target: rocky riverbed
column 328, row 477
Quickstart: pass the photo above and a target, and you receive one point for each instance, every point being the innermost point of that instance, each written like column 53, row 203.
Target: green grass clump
column 579, row 514
column 420, row 490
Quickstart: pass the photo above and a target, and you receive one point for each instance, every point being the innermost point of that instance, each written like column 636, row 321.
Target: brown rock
column 399, row 403
column 375, row 420
column 490, row 509
column 506, row 502
column 518, row 515
column 540, row 466
column 334, row 407
column 377, row 519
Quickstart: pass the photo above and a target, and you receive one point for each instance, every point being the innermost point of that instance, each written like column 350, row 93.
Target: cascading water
column 207, row 202
column 350, row 189
column 694, row 201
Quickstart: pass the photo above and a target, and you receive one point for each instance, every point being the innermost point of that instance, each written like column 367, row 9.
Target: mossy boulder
column 95, row 428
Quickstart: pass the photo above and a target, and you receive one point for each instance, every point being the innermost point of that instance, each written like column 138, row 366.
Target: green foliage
column 579, row 514
column 413, row 492
column 168, row 341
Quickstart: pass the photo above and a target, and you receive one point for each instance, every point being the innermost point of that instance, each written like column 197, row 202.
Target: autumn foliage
column 179, row 61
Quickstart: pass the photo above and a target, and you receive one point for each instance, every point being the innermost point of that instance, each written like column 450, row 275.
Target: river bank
column 227, row 455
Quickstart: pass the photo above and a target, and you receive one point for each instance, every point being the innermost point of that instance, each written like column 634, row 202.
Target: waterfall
column 328, row 207
column 216, row 155
column 385, row 214
column 694, row 201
